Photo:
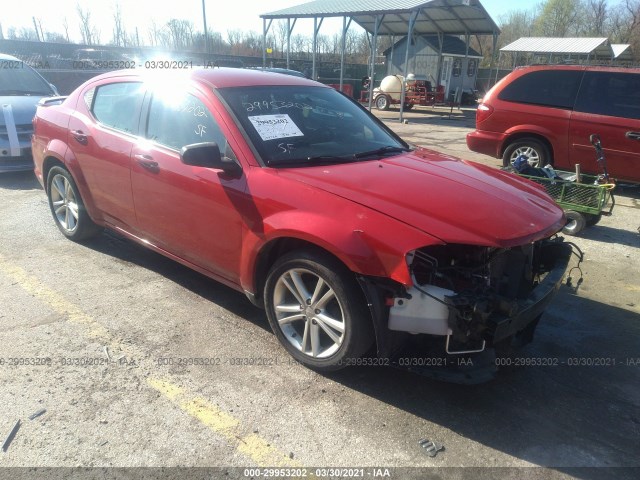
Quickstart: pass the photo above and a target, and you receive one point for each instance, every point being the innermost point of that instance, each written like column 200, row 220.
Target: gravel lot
column 116, row 322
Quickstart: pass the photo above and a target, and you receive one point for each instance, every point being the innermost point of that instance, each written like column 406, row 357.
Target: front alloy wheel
column 309, row 313
column 317, row 310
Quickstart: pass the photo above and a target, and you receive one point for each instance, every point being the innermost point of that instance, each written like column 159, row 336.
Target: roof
column 621, row 51
column 219, row 77
column 455, row 17
column 584, row 46
column 451, row 45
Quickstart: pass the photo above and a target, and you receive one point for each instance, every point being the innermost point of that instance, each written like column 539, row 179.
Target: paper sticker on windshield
column 271, row 127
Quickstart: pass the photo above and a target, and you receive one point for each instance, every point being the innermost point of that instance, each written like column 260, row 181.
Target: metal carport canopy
column 388, row 17
column 579, row 46
column 453, row 17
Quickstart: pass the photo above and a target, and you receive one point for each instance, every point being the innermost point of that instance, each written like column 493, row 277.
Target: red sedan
column 292, row 193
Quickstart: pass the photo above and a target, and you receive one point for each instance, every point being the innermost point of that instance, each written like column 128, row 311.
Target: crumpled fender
column 367, row 246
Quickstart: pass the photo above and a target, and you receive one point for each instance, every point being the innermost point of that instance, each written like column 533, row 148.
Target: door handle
column 146, row 161
column 80, row 136
column 633, row 135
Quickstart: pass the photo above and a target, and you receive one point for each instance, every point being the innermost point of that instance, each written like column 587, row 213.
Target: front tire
column 536, row 152
column 317, row 310
column 67, row 207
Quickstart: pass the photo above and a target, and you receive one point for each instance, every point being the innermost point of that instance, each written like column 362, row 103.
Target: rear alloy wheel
column 317, row 310
column 382, row 102
column 66, row 205
column 536, row 152
column 575, row 223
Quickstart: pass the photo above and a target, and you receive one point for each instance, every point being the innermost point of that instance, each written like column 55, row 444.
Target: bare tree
column 234, row 38
column 23, row 33
column 90, row 35
column 280, row 35
column 119, row 31
column 55, row 37
column 154, row 34
column 180, row 33
column 596, row 15
column 65, row 25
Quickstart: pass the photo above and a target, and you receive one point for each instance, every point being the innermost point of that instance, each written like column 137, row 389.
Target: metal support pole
column 316, row 29
column 372, row 67
column 264, row 43
column 206, row 35
column 493, row 59
column 288, row 39
column 290, row 27
column 438, row 78
column 412, row 23
column 315, row 47
column 393, row 47
column 345, row 28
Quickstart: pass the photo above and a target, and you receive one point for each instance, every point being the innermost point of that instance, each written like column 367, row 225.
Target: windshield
column 302, row 125
column 22, row 80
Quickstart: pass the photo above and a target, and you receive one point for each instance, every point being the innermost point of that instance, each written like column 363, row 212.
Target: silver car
column 21, row 88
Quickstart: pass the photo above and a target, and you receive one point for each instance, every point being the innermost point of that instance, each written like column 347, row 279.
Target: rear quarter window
column 117, row 105
column 549, row 88
column 612, row 94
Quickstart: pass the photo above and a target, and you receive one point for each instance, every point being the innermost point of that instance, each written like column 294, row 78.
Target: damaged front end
column 468, row 300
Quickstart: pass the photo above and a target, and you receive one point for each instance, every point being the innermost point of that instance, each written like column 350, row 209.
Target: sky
column 222, row 15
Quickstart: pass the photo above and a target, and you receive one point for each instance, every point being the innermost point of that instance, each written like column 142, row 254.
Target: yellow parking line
column 54, row 300
column 221, row 423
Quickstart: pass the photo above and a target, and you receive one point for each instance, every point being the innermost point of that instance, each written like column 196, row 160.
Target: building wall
column 423, row 63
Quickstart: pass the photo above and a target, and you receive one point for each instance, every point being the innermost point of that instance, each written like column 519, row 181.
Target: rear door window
column 612, row 94
column 549, row 88
column 117, row 105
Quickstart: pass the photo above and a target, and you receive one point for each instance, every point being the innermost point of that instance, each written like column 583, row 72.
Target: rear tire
column 575, row 223
column 536, row 151
column 317, row 310
column 67, row 207
column 592, row 219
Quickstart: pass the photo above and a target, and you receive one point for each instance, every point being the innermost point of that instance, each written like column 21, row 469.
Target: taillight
column 484, row 111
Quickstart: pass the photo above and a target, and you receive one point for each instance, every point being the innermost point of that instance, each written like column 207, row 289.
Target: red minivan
column 548, row 112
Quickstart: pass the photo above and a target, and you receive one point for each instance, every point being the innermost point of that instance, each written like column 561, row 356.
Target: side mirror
column 55, row 90
column 208, row 155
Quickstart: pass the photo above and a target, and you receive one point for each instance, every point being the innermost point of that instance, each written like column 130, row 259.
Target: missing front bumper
column 472, row 360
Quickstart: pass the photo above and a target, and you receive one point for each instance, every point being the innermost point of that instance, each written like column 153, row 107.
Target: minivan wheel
column 67, row 207
column 536, row 152
column 317, row 311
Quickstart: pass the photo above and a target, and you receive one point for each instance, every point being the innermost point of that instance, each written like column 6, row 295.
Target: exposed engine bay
column 477, row 296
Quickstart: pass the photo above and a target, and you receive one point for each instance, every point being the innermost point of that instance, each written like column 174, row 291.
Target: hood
column 22, row 107
column 454, row 200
